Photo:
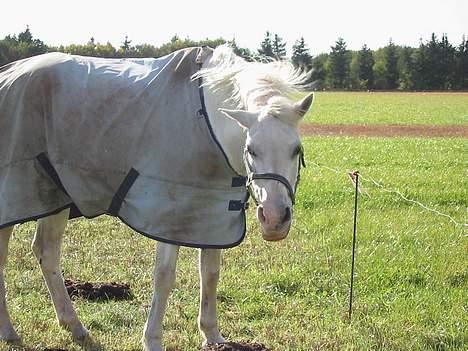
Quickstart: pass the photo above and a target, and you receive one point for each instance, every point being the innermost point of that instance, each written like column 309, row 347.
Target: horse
column 248, row 109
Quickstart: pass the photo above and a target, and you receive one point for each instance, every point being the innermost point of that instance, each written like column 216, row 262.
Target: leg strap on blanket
column 52, row 173
column 50, row 170
column 117, row 200
column 119, row 196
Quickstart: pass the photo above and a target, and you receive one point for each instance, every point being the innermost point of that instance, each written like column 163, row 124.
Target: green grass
column 412, row 267
column 389, row 108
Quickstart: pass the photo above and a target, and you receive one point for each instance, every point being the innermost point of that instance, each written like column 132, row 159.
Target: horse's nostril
column 287, row 215
column 260, row 214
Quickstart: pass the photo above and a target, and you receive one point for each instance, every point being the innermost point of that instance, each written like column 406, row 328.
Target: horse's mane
column 242, row 83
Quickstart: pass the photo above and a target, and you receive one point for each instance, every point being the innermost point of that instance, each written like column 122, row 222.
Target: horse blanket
column 125, row 137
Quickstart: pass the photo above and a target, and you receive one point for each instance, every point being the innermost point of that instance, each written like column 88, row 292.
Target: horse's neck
column 229, row 134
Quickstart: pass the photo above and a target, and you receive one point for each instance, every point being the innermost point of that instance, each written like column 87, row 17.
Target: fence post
column 355, row 178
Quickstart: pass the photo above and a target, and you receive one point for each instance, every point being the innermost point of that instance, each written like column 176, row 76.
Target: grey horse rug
column 125, row 137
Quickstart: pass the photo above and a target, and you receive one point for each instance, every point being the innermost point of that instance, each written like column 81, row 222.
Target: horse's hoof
column 218, row 339
column 89, row 344
column 152, row 344
column 153, row 348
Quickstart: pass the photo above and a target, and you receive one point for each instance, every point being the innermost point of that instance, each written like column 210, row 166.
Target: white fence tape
column 370, row 180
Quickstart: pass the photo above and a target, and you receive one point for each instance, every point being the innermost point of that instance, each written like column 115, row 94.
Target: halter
column 251, row 176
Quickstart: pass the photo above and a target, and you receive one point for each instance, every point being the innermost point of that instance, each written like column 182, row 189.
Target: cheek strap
column 251, row 176
column 271, row 176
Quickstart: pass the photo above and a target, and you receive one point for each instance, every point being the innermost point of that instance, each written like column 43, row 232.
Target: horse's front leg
column 210, row 261
column 164, row 277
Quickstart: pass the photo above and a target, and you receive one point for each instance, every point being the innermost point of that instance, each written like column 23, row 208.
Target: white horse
column 257, row 126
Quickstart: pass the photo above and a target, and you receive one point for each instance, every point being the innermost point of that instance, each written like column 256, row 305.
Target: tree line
column 435, row 65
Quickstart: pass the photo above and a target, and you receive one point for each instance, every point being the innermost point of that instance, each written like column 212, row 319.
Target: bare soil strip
column 384, row 130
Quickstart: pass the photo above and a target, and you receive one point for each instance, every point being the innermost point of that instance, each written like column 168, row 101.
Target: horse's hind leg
column 7, row 332
column 210, row 261
column 47, row 249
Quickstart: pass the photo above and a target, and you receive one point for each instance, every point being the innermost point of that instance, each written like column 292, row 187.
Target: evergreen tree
column 319, row 74
column 366, row 68
column 26, row 36
column 126, row 44
column 406, row 68
column 391, row 65
column 353, row 81
column 339, row 60
column 461, row 69
column 279, row 47
column 435, row 62
column 380, row 70
column 432, row 66
column 242, row 52
column 446, row 64
column 266, row 47
column 126, row 50
column 422, row 69
column 301, row 56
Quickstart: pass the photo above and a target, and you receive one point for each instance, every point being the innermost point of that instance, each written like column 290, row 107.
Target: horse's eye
column 251, row 152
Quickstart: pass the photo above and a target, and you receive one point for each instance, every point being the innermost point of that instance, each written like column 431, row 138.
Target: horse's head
column 272, row 158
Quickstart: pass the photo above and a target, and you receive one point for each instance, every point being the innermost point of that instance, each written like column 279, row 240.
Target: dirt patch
column 234, row 346
column 98, row 291
column 384, row 130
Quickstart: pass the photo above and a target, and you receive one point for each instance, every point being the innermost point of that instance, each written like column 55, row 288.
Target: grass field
column 412, row 267
column 389, row 108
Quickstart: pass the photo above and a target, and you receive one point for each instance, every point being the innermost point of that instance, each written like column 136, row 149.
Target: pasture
column 412, row 267
column 390, row 108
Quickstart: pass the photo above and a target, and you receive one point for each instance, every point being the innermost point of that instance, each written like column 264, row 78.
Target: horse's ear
column 303, row 105
column 244, row 118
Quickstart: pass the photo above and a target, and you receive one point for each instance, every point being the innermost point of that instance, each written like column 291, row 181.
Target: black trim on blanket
column 172, row 242
column 238, row 181
column 153, row 237
column 36, row 217
column 203, row 112
column 238, row 205
column 124, row 188
column 50, row 170
column 52, row 173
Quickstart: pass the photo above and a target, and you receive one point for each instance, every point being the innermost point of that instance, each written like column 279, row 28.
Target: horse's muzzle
column 275, row 222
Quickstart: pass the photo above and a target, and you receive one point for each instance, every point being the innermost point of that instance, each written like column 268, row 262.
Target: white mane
column 253, row 84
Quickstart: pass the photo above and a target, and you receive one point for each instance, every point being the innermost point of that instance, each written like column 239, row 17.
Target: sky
column 320, row 22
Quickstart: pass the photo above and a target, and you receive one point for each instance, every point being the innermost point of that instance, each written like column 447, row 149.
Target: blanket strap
column 238, row 181
column 238, row 205
column 121, row 193
column 50, row 170
column 52, row 173
column 202, row 111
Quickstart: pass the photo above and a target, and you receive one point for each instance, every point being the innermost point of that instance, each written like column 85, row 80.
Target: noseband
column 252, row 175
